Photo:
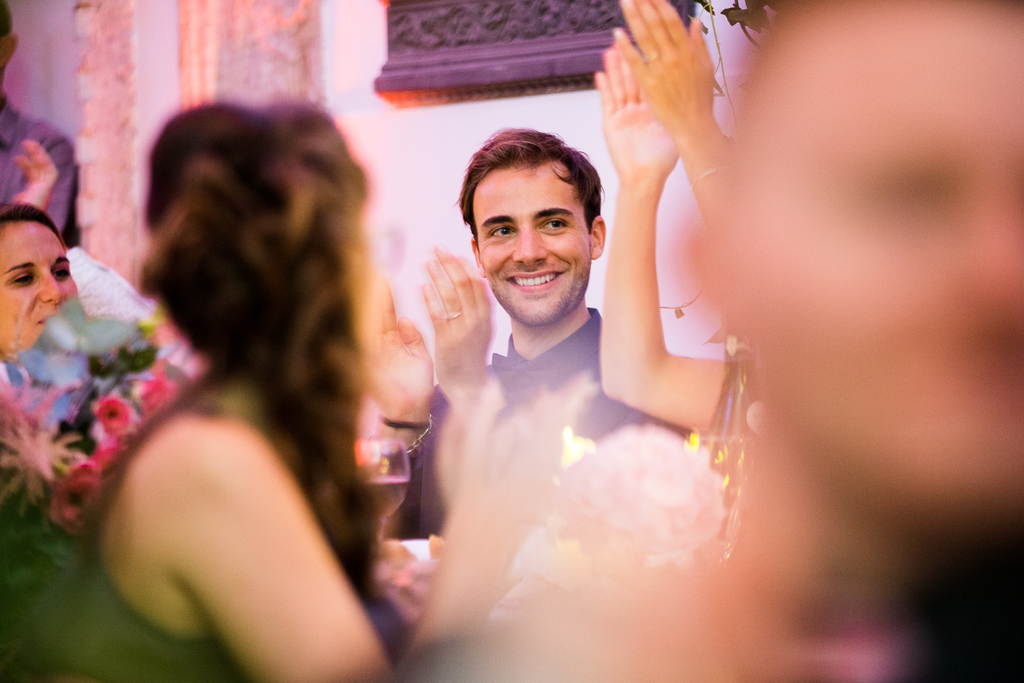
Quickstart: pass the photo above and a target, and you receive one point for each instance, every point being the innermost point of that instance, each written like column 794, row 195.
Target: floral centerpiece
column 82, row 389
column 640, row 498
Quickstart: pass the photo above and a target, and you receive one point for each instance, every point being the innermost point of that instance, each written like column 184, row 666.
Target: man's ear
column 476, row 255
column 598, row 232
column 8, row 44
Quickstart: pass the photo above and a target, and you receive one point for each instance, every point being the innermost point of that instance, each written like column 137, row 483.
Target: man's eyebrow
column 497, row 220
column 551, row 213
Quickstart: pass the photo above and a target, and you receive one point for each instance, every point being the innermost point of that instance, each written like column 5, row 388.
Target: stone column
column 108, row 211
column 250, row 51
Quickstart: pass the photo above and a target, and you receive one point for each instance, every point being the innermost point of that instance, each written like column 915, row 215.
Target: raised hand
column 675, row 73
column 40, row 175
column 639, row 146
column 401, row 371
column 461, row 313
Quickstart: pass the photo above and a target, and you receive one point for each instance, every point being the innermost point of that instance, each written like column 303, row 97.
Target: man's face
column 877, row 257
column 533, row 245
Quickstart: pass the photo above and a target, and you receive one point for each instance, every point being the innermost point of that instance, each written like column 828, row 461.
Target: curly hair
column 258, row 257
column 528, row 148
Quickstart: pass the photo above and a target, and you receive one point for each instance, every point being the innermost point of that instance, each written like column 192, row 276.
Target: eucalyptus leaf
column 66, row 370
column 102, row 335
column 62, row 333
column 59, row 369
column 73, row 313
column 34, row 362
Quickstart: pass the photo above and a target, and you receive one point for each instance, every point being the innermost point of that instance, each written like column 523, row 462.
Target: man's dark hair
column 6, row 25
column 527, row 148
column 26, row 213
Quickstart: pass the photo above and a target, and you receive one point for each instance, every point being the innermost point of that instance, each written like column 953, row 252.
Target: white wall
column 159, row 84
column 41, row 80
column 416, row 158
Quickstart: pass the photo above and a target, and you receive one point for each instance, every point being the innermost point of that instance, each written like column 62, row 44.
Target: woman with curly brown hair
column 212, row 555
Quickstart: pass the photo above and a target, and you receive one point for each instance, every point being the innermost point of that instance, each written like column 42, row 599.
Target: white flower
column 646, row 484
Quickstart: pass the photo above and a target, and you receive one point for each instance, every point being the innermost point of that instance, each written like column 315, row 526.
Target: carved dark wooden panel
column 455, row 50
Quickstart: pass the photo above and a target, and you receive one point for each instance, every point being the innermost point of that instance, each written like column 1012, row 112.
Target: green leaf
column 102, row 335
column 32, row 551
column 753, row 17
column 143, row 360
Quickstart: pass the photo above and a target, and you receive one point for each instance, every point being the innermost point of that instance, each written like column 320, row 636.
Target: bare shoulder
column 200, row 456
column 198, row 479
column 198, row 486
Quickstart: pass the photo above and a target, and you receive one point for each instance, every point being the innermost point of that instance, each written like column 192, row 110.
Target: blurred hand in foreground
column 40, row 175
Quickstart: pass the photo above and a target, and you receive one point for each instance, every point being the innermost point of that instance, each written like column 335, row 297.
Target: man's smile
column 534, row 280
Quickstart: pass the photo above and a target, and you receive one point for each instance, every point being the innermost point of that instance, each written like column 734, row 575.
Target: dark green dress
column 83, row 628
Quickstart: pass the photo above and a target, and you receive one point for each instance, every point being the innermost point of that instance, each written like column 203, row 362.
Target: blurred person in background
column 23, row 143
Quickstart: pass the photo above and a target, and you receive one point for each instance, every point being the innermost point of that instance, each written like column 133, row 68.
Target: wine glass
column 384, row 466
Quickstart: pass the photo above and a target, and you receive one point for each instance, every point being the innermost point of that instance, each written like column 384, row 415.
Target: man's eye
column 557, row 223
column 502, row 232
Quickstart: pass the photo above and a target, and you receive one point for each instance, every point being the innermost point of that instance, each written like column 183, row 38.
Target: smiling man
column 533, row 205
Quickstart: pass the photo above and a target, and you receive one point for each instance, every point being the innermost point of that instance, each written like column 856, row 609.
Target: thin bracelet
column 395, row 424
column 705, row 174
column 425, row 426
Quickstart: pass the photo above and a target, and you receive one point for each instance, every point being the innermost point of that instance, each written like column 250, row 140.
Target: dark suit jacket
column 423, row 511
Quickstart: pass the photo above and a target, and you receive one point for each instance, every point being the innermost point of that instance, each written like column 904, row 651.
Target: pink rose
column 115, row 414
column 106, row 452
column 72, row 493
column 155, row 393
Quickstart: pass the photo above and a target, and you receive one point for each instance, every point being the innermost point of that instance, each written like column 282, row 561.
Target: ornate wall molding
column 106, row 149
column 454, row 50
column 254, row 51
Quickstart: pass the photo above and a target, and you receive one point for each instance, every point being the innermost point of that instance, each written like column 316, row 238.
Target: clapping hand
column 402, row 373
column 460, row 311
column 639, row 146
column 40, row 175
column 673, row 69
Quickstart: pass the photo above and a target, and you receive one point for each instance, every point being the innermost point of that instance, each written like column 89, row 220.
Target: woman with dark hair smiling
column 35, row 277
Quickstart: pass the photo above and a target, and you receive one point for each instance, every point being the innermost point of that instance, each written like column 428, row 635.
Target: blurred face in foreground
column 35, row 279
column 877, row 258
